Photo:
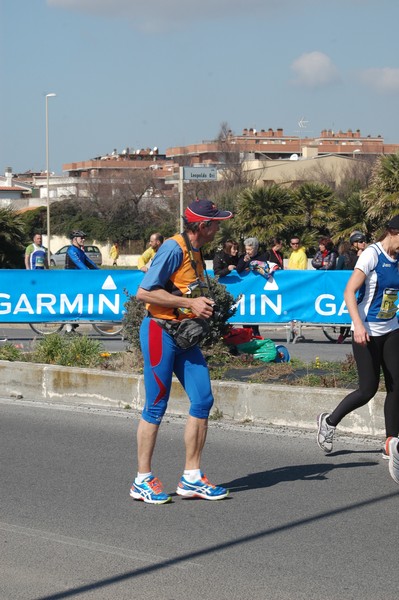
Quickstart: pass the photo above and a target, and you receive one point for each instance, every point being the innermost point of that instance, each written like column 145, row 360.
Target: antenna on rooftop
column 302, row 123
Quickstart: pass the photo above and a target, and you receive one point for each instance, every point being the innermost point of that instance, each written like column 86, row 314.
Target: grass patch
column 68, row 351
column 128, row 362
column 9, row 352
column 216, row 415
column 224, row 365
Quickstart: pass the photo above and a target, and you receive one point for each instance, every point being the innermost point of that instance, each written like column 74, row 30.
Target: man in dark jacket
column 75, row 257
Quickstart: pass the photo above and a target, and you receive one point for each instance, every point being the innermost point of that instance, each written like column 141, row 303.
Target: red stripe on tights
column 155, row 343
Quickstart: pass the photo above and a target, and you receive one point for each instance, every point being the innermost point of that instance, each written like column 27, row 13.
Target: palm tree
column 382, row 197
column 350, row 213
column 314, row 201
column 12, row 235
column 264, row 212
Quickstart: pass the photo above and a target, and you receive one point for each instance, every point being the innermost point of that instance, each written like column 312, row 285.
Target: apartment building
column 273, row 144
column 269, row 155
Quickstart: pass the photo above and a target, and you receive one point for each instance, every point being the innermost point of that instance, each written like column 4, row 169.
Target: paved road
column 314, row 342
column 297, row 525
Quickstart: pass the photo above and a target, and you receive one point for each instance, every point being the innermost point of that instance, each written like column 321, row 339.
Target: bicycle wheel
column 108, row 328
column 46, row 328
column 334, row 334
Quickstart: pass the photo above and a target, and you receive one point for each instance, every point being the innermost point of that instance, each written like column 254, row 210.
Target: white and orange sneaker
column 201, row 489
column 392, row 449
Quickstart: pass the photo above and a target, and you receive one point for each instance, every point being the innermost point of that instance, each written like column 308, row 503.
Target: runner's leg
column 390, row 366
column 158, row 352
column 192, row 371
column 368, row 361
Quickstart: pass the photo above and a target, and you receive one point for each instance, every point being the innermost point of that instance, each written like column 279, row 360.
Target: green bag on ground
column 264, row 350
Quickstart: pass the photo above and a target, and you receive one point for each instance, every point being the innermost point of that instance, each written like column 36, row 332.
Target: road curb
column 263, row 404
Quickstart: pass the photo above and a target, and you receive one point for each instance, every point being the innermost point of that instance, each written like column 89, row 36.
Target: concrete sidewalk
column 287, row 406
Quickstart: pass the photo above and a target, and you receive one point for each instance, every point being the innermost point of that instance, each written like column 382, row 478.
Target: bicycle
column 336, row 333
column 108, row 328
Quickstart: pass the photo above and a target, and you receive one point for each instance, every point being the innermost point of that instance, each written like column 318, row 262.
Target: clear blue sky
column 144, row 73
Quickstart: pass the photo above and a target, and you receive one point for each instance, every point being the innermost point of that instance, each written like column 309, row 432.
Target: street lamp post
column 48, row 180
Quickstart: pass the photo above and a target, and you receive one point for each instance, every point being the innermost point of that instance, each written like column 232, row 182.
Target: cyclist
column 358, row 242
column 348, row 253
column 75, row 257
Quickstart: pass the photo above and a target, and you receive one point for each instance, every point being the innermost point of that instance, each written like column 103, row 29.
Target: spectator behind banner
column 225, row 260
column 144, row 261
column 274, row 254
column 36, row 254
column 252, row 253
column 298, row 259
column 345, row 261
column 345, row 257
column 114, row 253
column 325, row 258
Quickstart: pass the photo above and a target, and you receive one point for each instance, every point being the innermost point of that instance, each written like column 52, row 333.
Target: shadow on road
column 265, row 479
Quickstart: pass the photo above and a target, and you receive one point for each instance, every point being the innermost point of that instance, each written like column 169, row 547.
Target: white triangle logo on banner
column 109, row 284
column 271, row 284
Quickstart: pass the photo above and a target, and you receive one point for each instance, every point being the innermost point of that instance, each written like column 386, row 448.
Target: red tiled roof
column 4, row 188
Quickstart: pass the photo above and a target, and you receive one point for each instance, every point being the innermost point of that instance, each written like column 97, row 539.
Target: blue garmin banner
column 34, row 296
column 307, row 296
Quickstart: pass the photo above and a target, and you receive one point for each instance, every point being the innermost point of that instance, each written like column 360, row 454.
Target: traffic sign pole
column 193, row 174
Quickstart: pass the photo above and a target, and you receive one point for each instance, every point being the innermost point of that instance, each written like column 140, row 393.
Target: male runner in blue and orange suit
column 172, row 290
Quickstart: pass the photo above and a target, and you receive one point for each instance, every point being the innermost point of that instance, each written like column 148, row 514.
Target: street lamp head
column 50, row 95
